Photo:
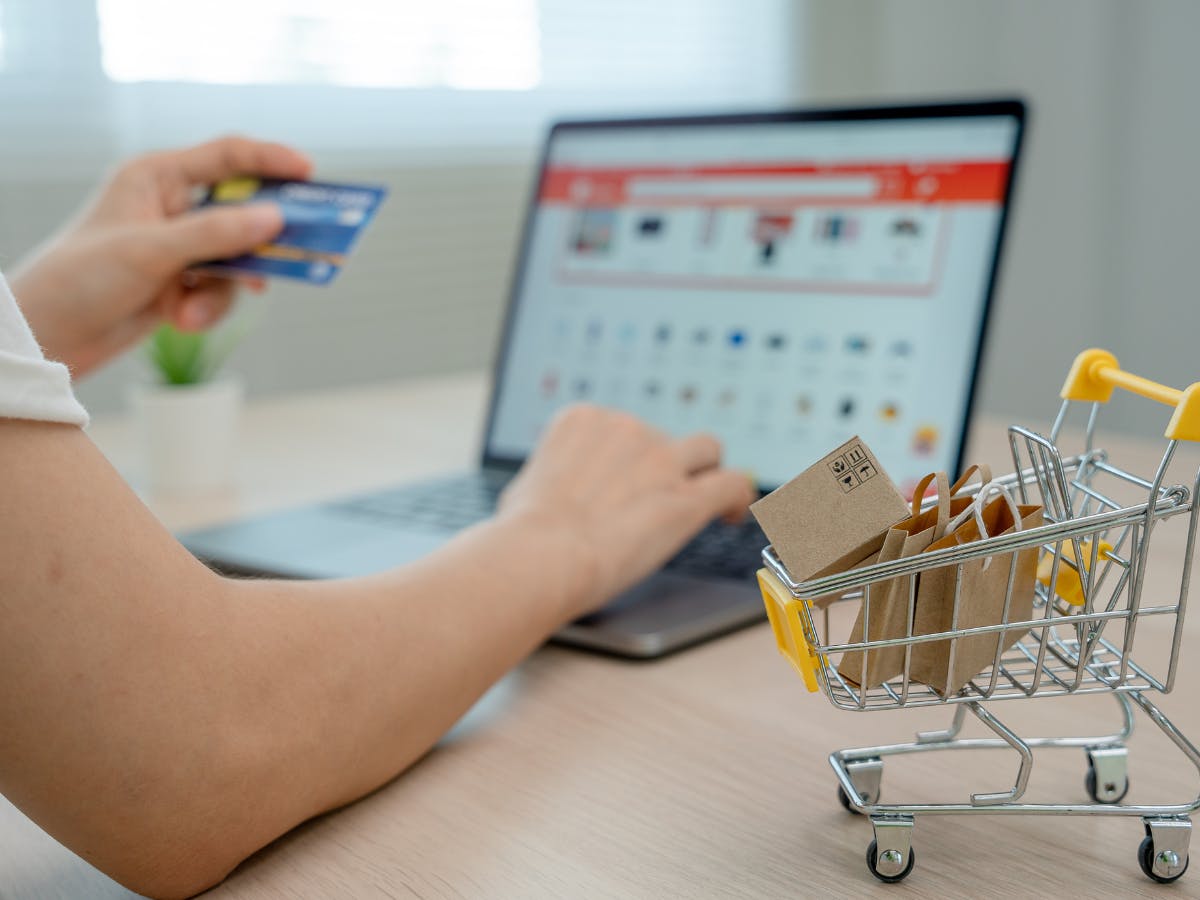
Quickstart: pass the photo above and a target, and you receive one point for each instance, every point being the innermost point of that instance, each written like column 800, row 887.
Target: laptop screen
column 783, row 282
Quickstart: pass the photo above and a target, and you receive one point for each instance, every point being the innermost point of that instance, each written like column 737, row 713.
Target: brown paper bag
column 982, row 597
column 889, row 599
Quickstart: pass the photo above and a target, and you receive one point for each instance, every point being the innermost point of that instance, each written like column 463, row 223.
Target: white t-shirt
column 31, row 387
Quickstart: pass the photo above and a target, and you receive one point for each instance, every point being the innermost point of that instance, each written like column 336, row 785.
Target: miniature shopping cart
column 1088, row 605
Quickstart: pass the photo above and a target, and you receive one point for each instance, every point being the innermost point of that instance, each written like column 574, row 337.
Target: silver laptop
column 782, row 280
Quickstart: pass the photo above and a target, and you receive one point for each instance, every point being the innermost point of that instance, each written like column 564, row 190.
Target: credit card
column 322, row 223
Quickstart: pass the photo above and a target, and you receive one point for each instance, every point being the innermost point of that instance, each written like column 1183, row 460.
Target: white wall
column 1106, row 209
column 1098, row 251
column 425, row 289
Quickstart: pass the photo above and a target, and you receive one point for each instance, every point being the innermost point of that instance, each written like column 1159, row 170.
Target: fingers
column 697, row 452
column 722, row 492
column 211, row 233
column 204, row 306
column 229, row 156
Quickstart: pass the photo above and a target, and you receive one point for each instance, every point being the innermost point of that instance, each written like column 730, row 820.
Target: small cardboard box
column 832, row 515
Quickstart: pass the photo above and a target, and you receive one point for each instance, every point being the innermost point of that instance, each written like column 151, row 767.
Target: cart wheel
column 1146, row 861
column 873, row 863
column 1090, row 783
column 845, row 801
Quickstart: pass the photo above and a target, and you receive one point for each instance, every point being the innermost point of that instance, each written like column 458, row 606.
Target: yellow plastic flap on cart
column 783, row 611
column 1068, row 583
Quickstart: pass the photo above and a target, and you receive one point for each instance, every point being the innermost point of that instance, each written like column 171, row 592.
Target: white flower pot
column 188, row 434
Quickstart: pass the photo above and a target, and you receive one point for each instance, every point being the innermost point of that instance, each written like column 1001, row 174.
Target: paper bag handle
column 943, row 494
column 983, row 470
column 976, row 509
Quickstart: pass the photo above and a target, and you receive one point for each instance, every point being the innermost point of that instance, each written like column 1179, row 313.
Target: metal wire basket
column 1093, row 551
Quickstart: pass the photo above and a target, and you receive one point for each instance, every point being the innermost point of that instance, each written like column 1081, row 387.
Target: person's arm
column 164, row 722
column 120, row 268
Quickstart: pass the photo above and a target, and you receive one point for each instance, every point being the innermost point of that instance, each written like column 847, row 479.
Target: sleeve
column 31, row 387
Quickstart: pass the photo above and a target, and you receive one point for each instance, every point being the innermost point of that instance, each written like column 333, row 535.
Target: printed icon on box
column 849, row 482
column 864, row 470
column 737, row 338
column 594, row 232
column 925, row 440
column 839, row 466
column 858, row 343
column 856, row 455
column 889, row 412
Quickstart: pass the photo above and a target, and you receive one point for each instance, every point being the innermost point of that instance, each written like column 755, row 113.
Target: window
column 465, row 44
column 382, row 80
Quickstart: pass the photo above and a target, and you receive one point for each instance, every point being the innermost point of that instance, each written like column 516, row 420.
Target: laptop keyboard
column 722, row 551
column 452, row 504
column 448, row 504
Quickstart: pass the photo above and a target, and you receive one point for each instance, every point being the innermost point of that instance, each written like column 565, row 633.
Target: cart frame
column 1093, row 554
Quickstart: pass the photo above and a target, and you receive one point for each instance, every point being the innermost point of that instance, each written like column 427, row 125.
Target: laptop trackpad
column 664, row 613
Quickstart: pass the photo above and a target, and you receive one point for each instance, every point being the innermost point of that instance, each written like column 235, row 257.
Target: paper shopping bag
column 984, row 586
column 887, row 615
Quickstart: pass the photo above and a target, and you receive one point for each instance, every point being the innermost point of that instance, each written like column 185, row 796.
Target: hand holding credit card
column 322, row 221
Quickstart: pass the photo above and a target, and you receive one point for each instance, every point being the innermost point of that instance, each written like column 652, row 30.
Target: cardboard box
column 832, row 515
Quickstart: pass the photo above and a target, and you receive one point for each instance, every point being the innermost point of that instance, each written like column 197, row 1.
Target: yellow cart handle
column 1095, row 373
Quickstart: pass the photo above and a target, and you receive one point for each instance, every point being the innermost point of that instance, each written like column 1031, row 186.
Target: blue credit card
column 322, row 222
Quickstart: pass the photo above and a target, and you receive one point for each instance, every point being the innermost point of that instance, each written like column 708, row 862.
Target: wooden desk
column 702, row 775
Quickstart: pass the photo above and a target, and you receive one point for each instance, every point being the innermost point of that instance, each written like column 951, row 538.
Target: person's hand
column 622, row 495
column 119, row 269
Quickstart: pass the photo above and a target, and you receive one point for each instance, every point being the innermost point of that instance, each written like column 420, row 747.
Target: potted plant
column 187, row 418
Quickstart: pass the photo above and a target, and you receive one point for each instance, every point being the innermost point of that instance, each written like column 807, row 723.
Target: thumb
column 216, row 233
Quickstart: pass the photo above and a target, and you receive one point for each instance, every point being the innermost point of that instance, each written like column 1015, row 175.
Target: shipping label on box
column 832, row 515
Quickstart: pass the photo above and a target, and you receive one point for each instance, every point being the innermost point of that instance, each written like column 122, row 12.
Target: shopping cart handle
column 1095, row 373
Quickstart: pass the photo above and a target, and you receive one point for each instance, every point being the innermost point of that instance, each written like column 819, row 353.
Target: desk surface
column 701, row 775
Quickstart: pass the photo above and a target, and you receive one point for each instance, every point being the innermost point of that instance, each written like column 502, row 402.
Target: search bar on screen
column 767, row 186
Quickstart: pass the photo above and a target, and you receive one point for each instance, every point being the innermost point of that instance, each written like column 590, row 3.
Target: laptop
column 783, row 280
